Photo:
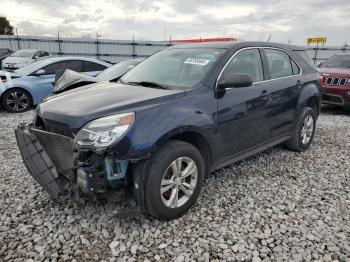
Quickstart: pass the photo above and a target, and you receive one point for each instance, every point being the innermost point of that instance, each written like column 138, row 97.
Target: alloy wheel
column 307, row 129
column 179, row 182
column 17, row 100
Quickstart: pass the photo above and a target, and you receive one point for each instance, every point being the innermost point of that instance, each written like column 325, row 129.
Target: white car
column 22, row 58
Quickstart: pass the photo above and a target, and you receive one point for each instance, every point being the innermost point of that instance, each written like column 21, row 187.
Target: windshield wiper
column 148, row 84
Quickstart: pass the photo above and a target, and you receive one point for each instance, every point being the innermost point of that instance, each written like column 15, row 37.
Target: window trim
column 262, row 60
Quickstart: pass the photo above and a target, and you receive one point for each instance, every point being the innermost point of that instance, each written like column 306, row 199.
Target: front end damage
column 66, row 172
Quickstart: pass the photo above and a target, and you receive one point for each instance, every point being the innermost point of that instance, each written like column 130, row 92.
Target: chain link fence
column 118, row 50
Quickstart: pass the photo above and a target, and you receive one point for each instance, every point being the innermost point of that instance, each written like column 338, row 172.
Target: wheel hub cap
column 307, row 130
column 17, row 101
column 179, row 182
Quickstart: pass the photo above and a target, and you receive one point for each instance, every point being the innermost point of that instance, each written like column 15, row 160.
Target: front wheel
column 16, row 100
column 174, row 179
column 304, row 131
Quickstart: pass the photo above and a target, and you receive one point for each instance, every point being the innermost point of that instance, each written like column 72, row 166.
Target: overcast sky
column 182, row 19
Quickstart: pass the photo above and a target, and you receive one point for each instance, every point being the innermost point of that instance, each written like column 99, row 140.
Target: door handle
column 265, row 95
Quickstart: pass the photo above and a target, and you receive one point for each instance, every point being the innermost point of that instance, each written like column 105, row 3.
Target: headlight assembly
column 105, row 131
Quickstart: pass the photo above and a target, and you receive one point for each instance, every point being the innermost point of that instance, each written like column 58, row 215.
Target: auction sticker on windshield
column 197, row 61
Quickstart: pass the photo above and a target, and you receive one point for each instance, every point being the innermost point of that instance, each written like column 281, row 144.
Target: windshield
column 175, row 68
column 116, row 71
column 23, row 53
column 337, row 61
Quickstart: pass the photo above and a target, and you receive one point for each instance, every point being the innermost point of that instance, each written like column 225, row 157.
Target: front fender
column 16, row 83
column 149, row 131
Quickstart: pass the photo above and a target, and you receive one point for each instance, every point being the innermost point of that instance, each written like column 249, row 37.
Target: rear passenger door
column 284, row 86
column 92, row 69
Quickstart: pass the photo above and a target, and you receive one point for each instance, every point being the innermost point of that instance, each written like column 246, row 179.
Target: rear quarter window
column 305, row 57
column 92, row 67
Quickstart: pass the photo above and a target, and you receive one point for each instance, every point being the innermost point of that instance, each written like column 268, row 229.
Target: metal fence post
column 59, row 44
column 19, row 47
column 133, row 47
column 315, row 54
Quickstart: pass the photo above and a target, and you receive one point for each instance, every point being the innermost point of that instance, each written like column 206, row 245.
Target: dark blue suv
column 173, row 119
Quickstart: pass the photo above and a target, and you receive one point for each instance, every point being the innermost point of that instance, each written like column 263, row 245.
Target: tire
column 303, row 133
column 21, row 100
column 161, row 171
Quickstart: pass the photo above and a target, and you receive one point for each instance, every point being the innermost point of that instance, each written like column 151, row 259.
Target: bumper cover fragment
column 39, row 164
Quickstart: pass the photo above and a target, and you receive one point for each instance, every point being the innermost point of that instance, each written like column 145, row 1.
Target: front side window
column 43, row 54
column 279, row 63
column 246, row 62
column 175, row 68
column 74, row 65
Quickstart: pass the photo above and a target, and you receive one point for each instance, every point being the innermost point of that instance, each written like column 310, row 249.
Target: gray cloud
column 146, row 19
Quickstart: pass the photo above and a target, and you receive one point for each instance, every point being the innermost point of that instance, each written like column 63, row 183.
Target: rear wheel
column 16, row 100
column 174, row 179
column 304, row 131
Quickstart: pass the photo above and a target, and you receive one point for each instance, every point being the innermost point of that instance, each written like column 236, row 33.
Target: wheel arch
column 193, row 137
column 314, row 103
column 15, row 87
column 310, row 97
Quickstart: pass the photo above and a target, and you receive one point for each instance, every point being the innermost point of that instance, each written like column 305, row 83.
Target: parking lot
column 277, row 205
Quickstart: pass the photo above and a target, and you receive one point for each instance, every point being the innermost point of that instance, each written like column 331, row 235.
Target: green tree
column 5, row 27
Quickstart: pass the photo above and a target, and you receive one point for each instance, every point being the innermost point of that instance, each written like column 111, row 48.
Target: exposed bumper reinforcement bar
column 39, row 164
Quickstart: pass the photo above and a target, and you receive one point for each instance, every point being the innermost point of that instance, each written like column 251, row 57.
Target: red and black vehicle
column 336, row 80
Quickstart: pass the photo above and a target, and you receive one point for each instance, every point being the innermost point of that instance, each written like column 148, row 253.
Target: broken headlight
column 103, row 132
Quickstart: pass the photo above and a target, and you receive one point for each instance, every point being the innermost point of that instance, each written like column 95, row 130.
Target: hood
column 17, row 60
column 77, row 107
column 335, row 71
column 69, row 78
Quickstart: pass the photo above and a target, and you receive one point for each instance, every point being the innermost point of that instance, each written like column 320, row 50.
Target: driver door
column 242, row 111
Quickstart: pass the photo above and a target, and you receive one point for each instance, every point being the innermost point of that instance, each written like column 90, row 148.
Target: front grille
column 335, row 81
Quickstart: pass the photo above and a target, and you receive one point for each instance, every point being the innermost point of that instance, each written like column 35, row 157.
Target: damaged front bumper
column 62, row 170
column 40, row 165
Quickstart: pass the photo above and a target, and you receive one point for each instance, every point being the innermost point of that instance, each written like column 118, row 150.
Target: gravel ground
column 278, row 205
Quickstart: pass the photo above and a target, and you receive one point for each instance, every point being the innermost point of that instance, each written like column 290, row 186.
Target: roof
column 229, row 45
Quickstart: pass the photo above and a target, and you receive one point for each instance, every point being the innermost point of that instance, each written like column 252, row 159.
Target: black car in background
column 71, row 79
column 5, row 52
column 176, row 117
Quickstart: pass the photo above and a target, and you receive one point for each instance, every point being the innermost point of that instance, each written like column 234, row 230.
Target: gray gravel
column 278, row 205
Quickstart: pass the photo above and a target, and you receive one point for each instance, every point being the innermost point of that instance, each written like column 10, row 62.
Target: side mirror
column 234, row 81
column 40, row 72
